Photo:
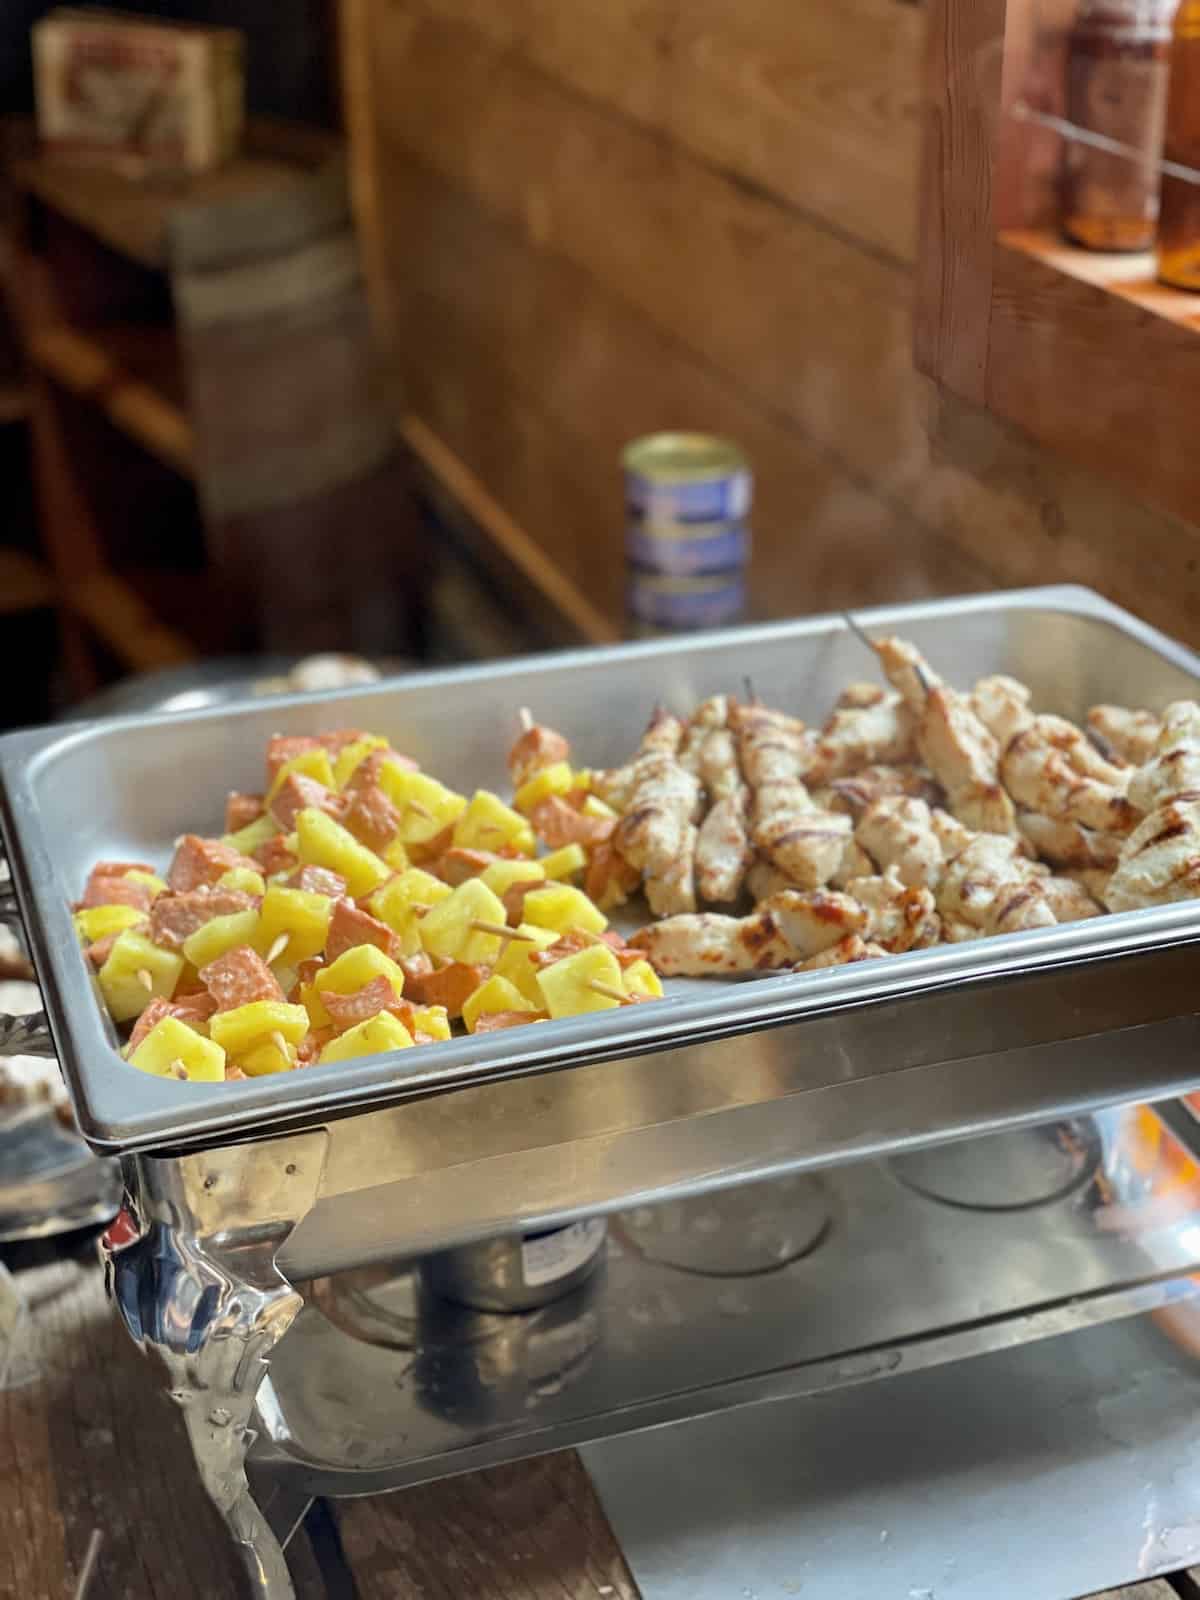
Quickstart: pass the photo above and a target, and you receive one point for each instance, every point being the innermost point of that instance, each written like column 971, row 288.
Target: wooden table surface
column 92, row 1442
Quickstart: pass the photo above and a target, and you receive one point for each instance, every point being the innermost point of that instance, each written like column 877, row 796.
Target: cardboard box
column 139, row 94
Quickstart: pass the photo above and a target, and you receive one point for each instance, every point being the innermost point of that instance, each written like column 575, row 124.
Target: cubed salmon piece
column 609, row 879
column 297, row 792
column 274, row 856
column 371, row 817
column 309, row 967
column 310, row 1047
column 241, row 810
column 366, row 773
column 419, row 965
column 114, row 889
column 448, row 986
column 198, row 862
column 318, row 880
column 458, row 864
column 175, row 917
column 556, row 824
column 347, row 1010
column 285, row 747
column 349, row 926
column 150, row 1018
column 494, row 1021
column 238, row 978
column 336, row 739
column 99, row 952
column 536, row 749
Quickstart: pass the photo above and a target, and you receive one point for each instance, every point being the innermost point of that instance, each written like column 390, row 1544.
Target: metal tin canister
column 711, row 600
column 687, row 499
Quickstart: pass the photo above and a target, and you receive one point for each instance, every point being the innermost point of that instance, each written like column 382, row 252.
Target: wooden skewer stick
column 608, row 990
column 418, row 809
column 278, row 947
column 526, row 717
column 751, row 692
column 89, row 1565
column 502, row 932
column 860, row 633
column 280, row 1043
column 178, row 1068
column 144, row 978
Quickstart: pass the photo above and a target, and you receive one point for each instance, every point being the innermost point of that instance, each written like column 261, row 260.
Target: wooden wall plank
column 815, row 104
column 537, row 376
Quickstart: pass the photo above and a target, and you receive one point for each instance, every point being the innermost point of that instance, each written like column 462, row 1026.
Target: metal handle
column 27, row 1035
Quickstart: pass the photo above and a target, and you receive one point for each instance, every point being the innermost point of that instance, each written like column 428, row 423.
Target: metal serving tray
column 1023, row 1026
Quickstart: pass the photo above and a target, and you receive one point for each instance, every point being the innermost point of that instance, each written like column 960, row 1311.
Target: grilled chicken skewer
column 787, row 928
column 1124, row 735
column 955, row 745
column 803, row 841
column 1160, row 860
column 657, row 833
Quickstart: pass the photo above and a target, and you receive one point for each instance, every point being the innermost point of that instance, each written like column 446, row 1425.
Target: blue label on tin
column 687, row 603
column 684, row 551
column 723, row 499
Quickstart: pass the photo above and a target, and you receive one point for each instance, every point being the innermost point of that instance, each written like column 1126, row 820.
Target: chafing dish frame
column 236, row 1194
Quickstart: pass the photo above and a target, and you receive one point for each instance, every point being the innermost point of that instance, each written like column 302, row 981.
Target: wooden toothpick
column 144, row 978
column 278, row 947
column 499, row 931
column 526, row 717
column 280, row 1043
column 608, row 990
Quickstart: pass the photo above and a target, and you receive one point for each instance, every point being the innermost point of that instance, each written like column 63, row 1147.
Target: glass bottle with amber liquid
column 1117, row 63
column 1179, row 227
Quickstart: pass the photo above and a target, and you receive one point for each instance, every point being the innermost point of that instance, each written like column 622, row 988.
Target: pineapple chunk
column 640, row 977
column 300, row 914
column 426, row 806
column 593, row 806
column 501, row 875
column 245, row 1027
column 171, row 1044
column 371, row 1038
column 581, row 778
column 313, row 764
column 497, row 994
column 310, row 999
column 562, row 907
column 153, row 882
column 515, row 963
column 350, row 757
column 354, row 969
column 396, row 855
column 565, row 986
column 446, row 930
column 97, row 922
column 488, row 824
column 565, row 862
column 433, row 1020
column 556, row 779
column 325, row 843
column 218, row 935
column 267, row 1058
column 242, row 879
column 253, row 836
column 394, row 904
column 125, row 993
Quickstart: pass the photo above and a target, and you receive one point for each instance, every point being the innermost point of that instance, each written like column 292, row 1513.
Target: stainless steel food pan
column 980, row 1033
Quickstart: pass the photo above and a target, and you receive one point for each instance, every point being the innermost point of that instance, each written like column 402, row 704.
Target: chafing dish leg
column 200, row 1287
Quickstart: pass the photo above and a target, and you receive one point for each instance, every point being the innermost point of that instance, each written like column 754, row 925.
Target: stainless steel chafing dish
column 239, row 1193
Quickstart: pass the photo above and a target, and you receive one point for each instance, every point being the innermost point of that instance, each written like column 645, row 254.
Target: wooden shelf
column 132, row 374
column 130, row 215
column 1085, row 352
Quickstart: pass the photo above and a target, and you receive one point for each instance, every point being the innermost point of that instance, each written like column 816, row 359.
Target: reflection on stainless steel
column 50, row 1182
column 734, row 1233
column 1005, row 1171
column 25, row 1036
column 517, row 1272
column 895, row 1284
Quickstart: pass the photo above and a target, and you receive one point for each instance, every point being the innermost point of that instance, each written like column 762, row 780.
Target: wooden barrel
column 312, row 519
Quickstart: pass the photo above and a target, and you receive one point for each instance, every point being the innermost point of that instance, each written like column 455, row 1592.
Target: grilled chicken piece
column 989, row 887
column 899, row 834
column 954, row 744
column 663, row 737
column 672, row 889
column 723, row 849
column 856, row 793
column 1053, row 768
column 1160, row 862
column 951, row 833
column 763, row 880
column 786, row 928
column 859, row 697
column 861, row 736
column 1174, row 768
column 1124, row 735
column 898, row 917
column 851, row 948
column 855, row 863
column 1069, row 844
column 1002, row 705
column 773, row 747
column 720, row 771
column 709, row 715
column 1094, row 879
column 803, row 841
column 1070, row 900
